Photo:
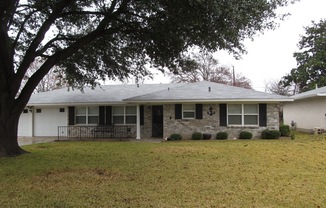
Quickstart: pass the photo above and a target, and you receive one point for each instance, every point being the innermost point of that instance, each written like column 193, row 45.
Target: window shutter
column 108, row 115
column 223, row 115
column 262, row 115
column 199, row 111
column 141, row 112
column 178, row 111
column 71, row 115
column 101, row 115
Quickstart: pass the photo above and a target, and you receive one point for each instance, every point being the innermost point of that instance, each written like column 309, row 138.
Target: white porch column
column 138, row 122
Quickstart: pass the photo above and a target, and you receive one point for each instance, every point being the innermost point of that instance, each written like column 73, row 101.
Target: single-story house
column 153, row 110
column 308, row 110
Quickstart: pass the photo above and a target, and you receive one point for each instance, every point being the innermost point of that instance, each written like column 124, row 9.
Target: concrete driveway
column 35, row 140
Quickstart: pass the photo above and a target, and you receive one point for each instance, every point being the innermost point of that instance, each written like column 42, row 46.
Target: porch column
column 138, row 122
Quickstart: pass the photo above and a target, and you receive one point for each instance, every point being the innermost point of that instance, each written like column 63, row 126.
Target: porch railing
column 94, row 132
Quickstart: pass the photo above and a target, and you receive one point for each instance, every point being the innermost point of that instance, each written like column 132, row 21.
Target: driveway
column 35, row 140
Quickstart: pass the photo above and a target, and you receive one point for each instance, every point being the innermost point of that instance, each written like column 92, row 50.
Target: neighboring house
column 307, row 111
column 154, row 110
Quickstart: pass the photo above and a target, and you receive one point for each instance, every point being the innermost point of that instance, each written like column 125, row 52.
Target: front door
column 157, row 121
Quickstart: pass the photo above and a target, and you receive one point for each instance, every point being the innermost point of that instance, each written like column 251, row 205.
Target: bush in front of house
column 197, row 136
column 285, row 130
column 175, row 137
column 292, row 136
column 270, row 134
column 207, row 136
column 222, row 135
column 245, row 135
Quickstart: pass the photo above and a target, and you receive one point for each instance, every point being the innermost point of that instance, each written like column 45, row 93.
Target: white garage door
column 25, row 124
column 47, row 120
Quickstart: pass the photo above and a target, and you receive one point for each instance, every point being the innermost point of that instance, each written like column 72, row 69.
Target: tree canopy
column 203, row 66
column 311, row 59
column 98, row 39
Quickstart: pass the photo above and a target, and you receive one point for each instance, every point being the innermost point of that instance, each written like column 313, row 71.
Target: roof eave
column 75, row 104
column 209, row 100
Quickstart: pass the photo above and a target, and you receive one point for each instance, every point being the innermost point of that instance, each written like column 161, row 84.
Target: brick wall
column 210, row 123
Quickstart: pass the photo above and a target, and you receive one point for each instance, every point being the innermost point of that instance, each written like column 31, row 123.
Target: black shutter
column 71, row 115
column 199, row 111
column 108, row 115
column 178, row 111
column 101, row 115
column 223, row 115
column 262, row 115
column 141, row 112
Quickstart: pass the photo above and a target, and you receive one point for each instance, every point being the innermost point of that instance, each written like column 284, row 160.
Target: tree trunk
column 8, row 135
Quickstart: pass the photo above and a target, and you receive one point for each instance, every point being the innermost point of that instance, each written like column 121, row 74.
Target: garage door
column 47, row 120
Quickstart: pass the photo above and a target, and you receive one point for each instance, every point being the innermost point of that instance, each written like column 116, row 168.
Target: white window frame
column 87, row 115
column 188, row 111
column 243, row 114
column 124, row 114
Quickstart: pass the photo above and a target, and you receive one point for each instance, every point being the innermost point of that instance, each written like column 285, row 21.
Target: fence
column 93, row 132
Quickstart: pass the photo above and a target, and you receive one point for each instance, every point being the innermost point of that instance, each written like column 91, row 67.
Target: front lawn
column 254, row 173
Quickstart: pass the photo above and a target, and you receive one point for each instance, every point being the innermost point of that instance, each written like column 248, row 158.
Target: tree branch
column 21, row 29
column 70, row 50
column 31, row 51
column 82, row 13
column 6, row 58
column 7, row 9
column 50, row 43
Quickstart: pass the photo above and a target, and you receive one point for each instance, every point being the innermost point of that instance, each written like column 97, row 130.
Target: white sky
column 270, row 55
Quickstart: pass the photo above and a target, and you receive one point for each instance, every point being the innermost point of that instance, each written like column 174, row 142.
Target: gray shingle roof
column 116, row 94
column 312, row 93
column 101, row 94
column 207, row 91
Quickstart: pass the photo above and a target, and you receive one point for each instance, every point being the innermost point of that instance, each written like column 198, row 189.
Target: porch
column 96, row 132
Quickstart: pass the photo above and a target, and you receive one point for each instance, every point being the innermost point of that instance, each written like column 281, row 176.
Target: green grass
column 240, row 173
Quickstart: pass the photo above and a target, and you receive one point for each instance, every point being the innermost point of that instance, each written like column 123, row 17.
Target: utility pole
column 233, row 76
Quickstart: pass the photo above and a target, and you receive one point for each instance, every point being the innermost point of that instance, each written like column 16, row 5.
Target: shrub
column 292, row 136
column 207, row 136
column 197, row 136
column 285, row 130
column 175, row 137
column 245, row 135
column 222, row 135
column 270, row 134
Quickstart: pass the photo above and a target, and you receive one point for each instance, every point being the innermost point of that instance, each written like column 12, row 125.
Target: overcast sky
column 270, row 55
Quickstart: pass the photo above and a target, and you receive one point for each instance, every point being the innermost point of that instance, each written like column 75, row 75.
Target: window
column 61, row 110
column 87, row 115
column 25, row 111
column 124, row 114
column 188, row 111
column 243, row 114
column 38, row 110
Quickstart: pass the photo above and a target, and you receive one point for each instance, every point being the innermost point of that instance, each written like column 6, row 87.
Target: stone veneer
column 210, row 124
column 146, row 129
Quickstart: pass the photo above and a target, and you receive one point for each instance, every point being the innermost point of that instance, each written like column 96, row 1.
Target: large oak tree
column 97, row 39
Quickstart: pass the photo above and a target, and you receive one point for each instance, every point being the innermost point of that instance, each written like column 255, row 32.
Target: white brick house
column 154, row 110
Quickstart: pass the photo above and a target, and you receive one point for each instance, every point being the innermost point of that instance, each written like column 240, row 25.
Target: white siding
column 25, row 124
column 47, row 121
column 307, row 114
